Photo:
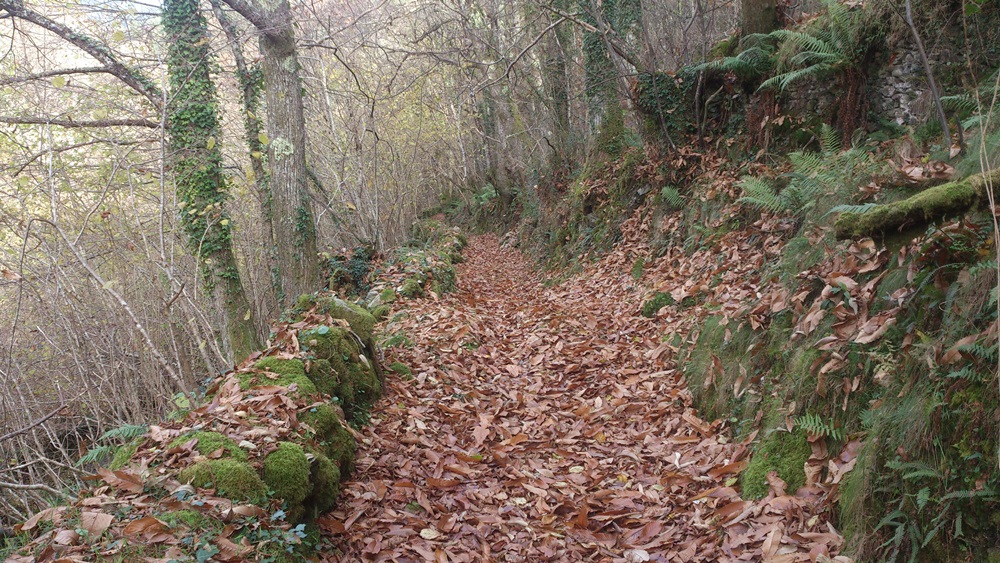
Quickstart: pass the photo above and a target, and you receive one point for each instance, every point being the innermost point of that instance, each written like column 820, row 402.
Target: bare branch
column 61, row 409
column 72, row 123
column 130, row 76
column 61, row 72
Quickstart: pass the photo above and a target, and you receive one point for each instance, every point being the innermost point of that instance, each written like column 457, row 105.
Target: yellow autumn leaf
column 263, row 138
column 210, row 144
column 59, row 81
column 246, row 317
column 118, row 36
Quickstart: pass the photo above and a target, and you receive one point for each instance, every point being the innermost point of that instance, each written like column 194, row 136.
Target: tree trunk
column 294, row 229
column 196, row 163
column 758, row 16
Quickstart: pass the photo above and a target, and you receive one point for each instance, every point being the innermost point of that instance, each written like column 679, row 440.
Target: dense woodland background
column 172, row 177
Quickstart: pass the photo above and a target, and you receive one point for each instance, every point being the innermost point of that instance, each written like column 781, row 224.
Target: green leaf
column 263, row 138
column 210, row 144
column 322, row 330
column 59, row 81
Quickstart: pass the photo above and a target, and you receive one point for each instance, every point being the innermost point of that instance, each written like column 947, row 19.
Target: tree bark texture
column 758, row 16
column 294, row 229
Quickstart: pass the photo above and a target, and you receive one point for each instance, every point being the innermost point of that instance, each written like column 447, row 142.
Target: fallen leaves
column 551, row 424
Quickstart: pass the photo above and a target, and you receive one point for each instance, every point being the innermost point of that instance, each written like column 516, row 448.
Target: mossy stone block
column 288, row 371
column 210, row 442
column 335, row 441
column 325, row 479
column 286, row 473
column 412, row 287
column 231, row 479
column 322, row 374
column 658, row 301
column 381, row 312
column 361, row 321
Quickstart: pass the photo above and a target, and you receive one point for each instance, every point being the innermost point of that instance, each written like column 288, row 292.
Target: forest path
column 550, row 424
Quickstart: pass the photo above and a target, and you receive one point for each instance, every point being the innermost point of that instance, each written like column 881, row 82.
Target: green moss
column 190, row 518
column 361, row 321
column 324, row 376
column 335, row 441
column 388, row 295
column 209, row 442
column 381, row 312
column 124, row 454
column 286, row 473
column 925, row 206
column 655, row 303
column 232, row 479
column 288, row 371
column 400, row 368
column 325, row 479
column 412, row 287
column 783, row 452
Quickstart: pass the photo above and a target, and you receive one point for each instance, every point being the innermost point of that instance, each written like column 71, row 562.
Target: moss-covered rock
column 323, row 375
column 658, row 301
column 929, row 204
column 210, row 442
column 231, row 479
column 331, row 436
column 783, row 452
column 124, row 454
column 361, row 321
column 381, row 312
column 325, row 479
column 287, row 372
column 387, row 296
column 411, row 287
column 286, row 473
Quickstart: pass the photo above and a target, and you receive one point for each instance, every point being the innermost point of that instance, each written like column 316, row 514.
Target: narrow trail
column 550, row 424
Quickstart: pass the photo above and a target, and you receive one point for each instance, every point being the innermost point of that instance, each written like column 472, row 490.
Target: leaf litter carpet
column 551, row 424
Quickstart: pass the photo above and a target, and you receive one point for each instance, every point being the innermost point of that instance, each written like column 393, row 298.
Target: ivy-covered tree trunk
column 196, row 163
column 294, row 229
column 608, row 18
column 555, row 78
column 251, row 81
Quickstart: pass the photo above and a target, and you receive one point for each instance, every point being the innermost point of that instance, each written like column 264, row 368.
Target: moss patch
column 412, row 287
column 381, row 312
column 336, row 443
column 231, row 479
column 288, row 372
column 210, row 442
column 926, row 205
column 323, row 376
column 780, row 451
column 124, row 454
column 185, row 518
column 325, row 479
column 286, row 473
column 361, row 321
column 400, row 368
column 658, row 301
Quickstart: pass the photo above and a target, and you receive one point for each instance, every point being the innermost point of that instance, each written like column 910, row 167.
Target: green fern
column 96, row 454
column 816, row 425
column 671, row 197
column 835, row 47
column 126, row 432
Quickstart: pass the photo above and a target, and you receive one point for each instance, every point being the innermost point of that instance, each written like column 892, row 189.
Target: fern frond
column 855, row 209
column 96, row 455
column 830, row 139
column 125, row 432
column 814, row 424
column 760, row 193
